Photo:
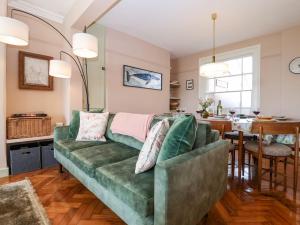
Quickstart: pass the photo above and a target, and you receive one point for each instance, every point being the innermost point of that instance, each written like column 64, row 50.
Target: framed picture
column 189, row 85
column 34, row 71
column 140, row 78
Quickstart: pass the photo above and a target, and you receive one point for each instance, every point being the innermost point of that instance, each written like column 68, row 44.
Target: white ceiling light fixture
column 214, row 68
column 60, row 69
column 13, row 32
column 85, row 45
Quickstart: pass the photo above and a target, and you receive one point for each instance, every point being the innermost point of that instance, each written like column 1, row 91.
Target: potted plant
column 205, row 103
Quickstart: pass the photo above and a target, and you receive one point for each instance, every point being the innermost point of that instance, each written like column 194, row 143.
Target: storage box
column 26, row 127
column 25, row 158
column 48, row 159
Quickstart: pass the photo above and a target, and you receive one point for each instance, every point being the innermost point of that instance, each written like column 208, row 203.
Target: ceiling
column 53, row 9
column 184, row 26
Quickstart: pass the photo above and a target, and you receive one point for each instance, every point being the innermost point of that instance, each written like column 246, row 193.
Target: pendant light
column 13, row 32
column 214, row 68
column 85, row 45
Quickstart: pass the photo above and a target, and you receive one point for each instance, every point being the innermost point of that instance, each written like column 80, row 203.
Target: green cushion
column 203, row 135
column 69, row 145
column 137, row 191
column 88, row 159
column 75, row 122
column 124, row 139
column 179, row 139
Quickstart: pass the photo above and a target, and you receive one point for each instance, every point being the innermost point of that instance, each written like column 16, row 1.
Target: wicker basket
column 26, row 127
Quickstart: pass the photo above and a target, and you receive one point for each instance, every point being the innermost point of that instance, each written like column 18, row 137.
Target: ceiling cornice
column 38, row 11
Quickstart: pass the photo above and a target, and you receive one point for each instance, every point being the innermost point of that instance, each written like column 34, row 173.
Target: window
column 238, row 90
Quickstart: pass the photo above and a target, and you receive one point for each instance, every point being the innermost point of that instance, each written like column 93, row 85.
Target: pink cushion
column 130, row 124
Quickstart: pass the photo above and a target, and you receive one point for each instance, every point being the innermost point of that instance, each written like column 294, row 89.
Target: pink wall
column 279, row 89
column 43, row 40
column 122, row 49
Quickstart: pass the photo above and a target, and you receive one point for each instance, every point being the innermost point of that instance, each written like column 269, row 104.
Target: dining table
column 243, row 126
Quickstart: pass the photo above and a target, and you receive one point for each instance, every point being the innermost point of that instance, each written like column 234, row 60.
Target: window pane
column 246, row 99
column 233, row 83
column 248, row 64
column 210, row 85
column 247, row 82
column 229, row 100
column 235, row 66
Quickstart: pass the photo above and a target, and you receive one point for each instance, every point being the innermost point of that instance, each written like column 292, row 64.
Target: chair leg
column 259, row 168
column 295, row 175
column 249, row 164
column 271, row 171
column 243, row 160
column 232, row 163
column 285, row 175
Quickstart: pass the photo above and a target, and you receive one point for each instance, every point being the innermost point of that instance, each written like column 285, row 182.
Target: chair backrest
column 221, row 125
column 275, row 128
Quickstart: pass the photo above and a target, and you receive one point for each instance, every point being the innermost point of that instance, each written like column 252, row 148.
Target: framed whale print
column 140, row 78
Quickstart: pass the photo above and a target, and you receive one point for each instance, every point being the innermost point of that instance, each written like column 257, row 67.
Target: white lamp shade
column 13, row 32
column 214, row 69
column 59, row 68
column 85, row 45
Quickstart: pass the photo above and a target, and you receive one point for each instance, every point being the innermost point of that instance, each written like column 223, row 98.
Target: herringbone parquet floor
column 67, row 202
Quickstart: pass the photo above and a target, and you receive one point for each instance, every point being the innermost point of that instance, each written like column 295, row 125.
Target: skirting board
column 4, row 172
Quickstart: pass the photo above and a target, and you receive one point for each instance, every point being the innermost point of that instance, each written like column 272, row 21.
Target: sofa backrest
column 124, row 139
column 203, row 136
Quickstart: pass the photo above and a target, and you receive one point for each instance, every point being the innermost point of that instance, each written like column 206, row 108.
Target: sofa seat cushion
column 136, row 190
column 69, row 145
column 88, row 159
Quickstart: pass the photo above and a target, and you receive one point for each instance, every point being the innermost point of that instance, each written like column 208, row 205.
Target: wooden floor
column 67, row 202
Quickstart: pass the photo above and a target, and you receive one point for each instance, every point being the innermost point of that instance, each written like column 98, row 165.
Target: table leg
column 240, row 153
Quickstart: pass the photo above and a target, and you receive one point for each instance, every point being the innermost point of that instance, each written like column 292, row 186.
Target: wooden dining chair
column 274, row 151
column 224, row 126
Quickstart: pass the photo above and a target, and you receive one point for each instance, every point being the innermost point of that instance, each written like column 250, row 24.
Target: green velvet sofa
column 178, row 191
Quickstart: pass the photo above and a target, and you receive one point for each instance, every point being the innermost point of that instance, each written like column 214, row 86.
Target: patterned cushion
column 275, row 149
column 92, row 126
column 149, row 153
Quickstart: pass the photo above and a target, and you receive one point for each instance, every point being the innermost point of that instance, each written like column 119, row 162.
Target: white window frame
column 248, row 51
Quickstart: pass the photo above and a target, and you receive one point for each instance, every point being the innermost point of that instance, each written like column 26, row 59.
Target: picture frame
column 34, row 71
column 141, row 78
column 189, row 84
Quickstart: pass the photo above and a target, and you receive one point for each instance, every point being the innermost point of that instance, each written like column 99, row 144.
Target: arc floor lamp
column 84, row 45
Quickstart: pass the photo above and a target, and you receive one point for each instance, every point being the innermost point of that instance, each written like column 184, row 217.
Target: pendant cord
column 214, row 17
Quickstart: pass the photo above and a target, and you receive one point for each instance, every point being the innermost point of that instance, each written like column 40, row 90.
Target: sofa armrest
column 187, row 186
column 61, row 133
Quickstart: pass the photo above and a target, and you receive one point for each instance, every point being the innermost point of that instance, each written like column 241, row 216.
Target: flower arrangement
column 205, row 103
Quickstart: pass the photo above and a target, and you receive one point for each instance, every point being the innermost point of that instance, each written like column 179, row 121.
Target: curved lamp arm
column 84, row 81
column 77, row 61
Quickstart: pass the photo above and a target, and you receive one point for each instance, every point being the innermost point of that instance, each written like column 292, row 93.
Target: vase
column 205, row 114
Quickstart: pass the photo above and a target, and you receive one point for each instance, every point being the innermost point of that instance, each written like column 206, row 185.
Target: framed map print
column 34, row 71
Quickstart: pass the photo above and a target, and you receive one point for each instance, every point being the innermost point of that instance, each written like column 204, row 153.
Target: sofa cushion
column 124, row 139
column 136, row 190
column 179, row 139
column 203, row 135
column 88, row 159
column 75, row 122
column 69, row 145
